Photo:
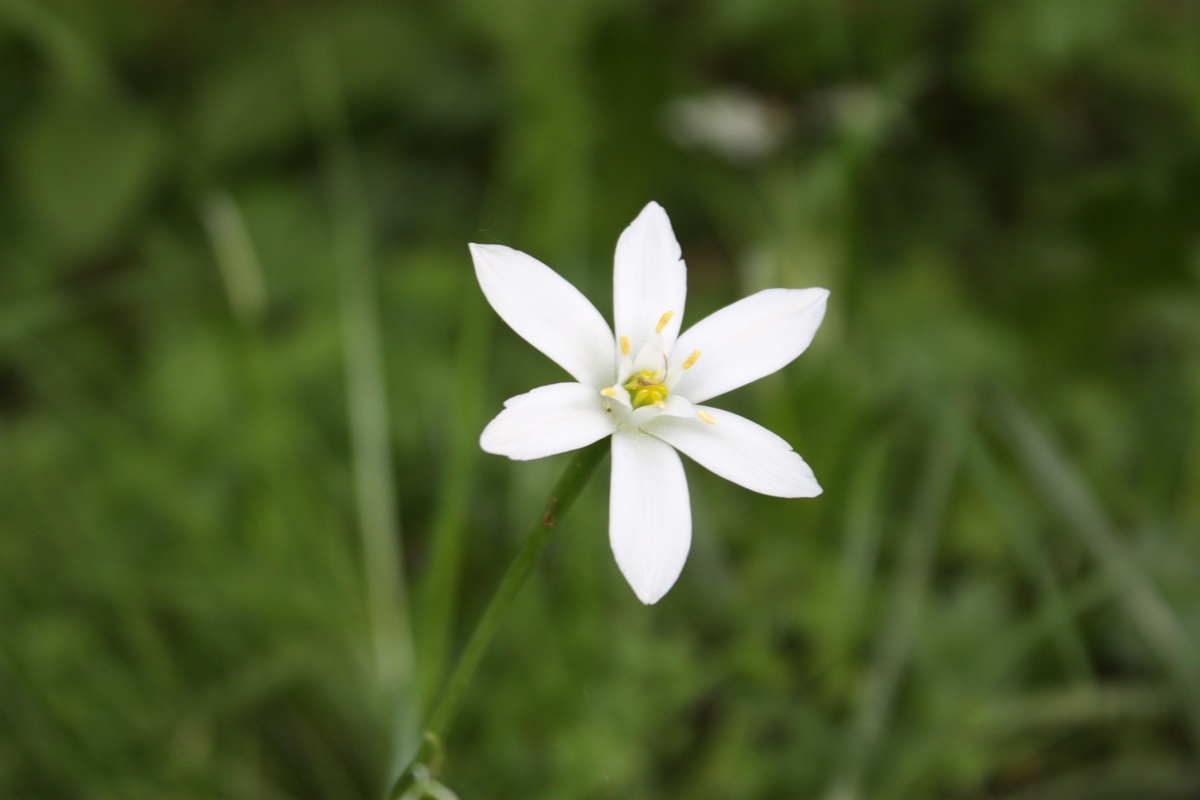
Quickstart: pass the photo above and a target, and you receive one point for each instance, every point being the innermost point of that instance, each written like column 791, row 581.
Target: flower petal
column 549, row 420
column 649, row 279
column 747, row 340
column 547, row 311
column 649, row 518
column 675, row 406
column 738, row 450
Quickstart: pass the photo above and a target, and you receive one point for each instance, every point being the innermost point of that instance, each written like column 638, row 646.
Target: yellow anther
column 663, row 320
column 707, row 417
column 624, row 345
column 608, row 391
column 691, row 359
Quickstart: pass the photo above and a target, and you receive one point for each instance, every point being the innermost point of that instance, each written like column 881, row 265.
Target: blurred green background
column 244, row 523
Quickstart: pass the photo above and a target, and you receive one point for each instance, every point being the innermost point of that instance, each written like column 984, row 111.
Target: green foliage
column 239, row 332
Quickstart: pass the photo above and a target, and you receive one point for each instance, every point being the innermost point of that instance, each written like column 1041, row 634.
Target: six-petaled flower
column 645, row 386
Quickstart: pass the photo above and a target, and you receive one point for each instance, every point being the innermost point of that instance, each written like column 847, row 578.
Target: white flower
column 731, row 123
column 644, row 387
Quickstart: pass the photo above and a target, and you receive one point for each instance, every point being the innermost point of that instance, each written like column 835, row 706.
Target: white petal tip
column 802, row 484
column 492, row 444
column 486, row 255
column 807, row 492
column 651, row 593
column 652, row 578
column 488, row 446
column 654, row 217
column 816, row 296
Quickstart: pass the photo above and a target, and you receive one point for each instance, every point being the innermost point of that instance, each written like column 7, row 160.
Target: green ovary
column 645, row 389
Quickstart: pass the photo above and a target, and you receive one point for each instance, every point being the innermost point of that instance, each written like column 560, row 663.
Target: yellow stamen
column 691, row 359
column 624, row 345
column 608, row 391
column 663, row 320
column 707, row 417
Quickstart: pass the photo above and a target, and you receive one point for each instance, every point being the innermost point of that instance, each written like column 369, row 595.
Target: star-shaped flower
column 644, row 387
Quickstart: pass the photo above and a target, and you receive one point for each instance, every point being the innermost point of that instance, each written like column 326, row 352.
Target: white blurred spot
column 730, row 123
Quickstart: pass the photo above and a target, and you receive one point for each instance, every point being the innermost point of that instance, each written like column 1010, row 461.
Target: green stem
column 582, row 465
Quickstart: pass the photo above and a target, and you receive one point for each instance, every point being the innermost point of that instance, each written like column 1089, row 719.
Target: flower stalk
column 574, row 478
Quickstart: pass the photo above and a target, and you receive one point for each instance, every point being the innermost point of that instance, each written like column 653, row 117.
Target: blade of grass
column 1144, row 778
column 1081, row 705
column 367, row 403
column 1068, row 640
column 74, row 58
column 1081, row 597
column 859, row 558
column 899, row 631
column 236, row 257
column 439, row 592
column 1068, row 495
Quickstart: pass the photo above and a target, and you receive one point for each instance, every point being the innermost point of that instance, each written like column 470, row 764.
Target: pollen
column 624, row 345
column 691, row 359
column 608, row 391
column 707, row 417
column 662, row 321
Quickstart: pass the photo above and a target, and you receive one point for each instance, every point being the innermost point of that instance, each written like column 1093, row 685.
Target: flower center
column 646, row 388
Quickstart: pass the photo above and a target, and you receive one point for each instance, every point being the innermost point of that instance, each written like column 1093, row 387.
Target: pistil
column 646, row 389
